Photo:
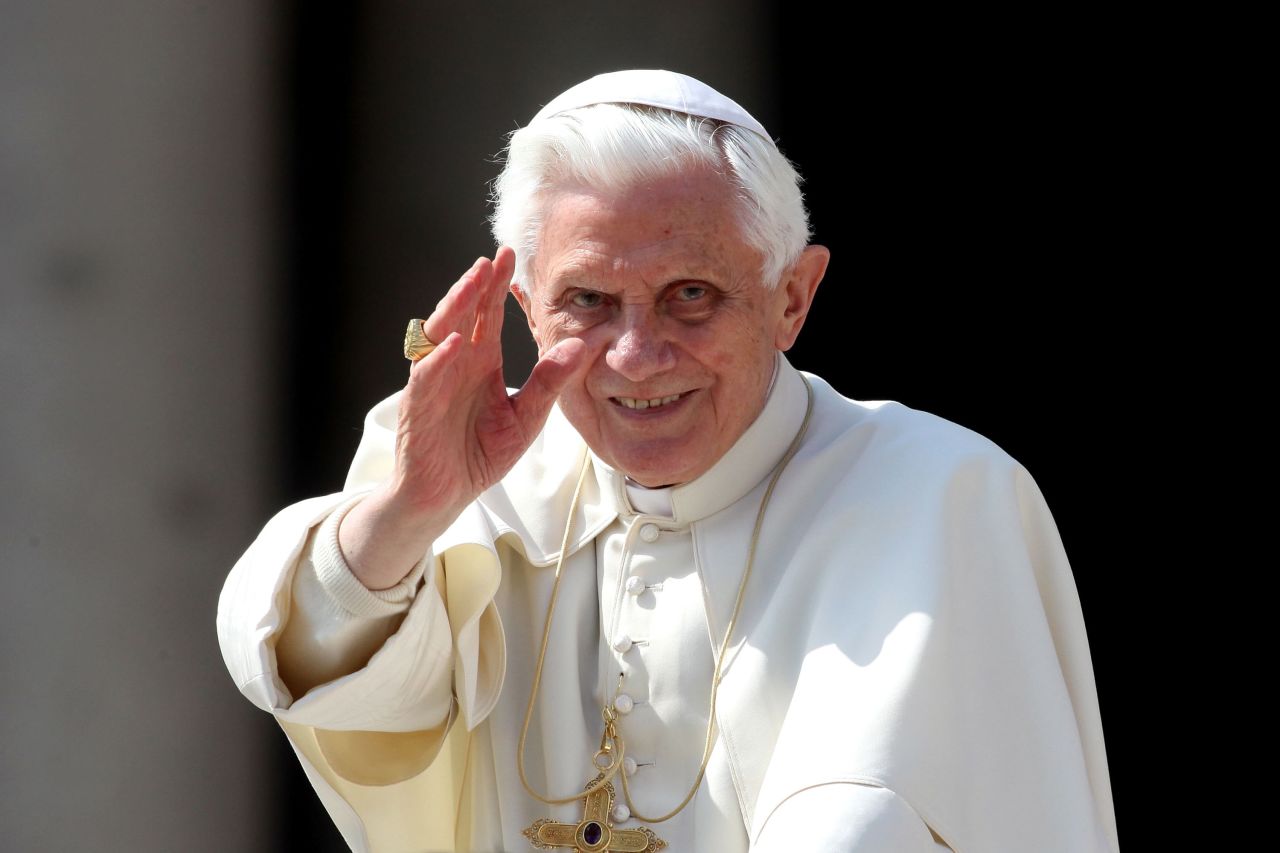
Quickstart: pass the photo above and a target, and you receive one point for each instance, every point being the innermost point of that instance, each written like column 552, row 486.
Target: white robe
column 911, row 632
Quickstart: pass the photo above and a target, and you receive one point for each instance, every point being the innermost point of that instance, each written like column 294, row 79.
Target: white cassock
column 910, row 670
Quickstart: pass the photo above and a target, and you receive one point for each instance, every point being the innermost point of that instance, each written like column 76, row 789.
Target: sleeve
column 444, row 659
column 849, row 817
column 335, row 623
column 400, row 681
column 372, row 716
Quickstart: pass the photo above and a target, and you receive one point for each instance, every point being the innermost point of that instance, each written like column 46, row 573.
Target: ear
column 525, row 305
column 795, row 294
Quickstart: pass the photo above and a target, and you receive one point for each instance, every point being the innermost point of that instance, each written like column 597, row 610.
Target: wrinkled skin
column 668, row 299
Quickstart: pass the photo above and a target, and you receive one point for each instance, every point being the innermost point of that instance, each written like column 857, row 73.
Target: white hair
column 613, row 147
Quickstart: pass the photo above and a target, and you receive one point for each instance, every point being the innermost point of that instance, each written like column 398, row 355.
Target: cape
column 912, row 623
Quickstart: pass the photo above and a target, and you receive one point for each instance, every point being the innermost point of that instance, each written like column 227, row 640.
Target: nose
column 640, row 350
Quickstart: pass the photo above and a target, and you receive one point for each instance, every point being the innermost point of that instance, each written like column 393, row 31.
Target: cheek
column 549, row 332
column 731, row 348
column 742, row 370
column 596, row 338
column 555, row 326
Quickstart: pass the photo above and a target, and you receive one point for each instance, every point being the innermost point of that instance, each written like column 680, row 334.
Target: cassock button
column 621, row 813
column 622, row 645
column 635, row 586
column 624, row 703
column 629, row 766
column 649, row 533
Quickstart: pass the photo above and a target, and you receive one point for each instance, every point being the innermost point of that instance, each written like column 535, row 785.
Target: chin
column 648, row 475
column 658, row 461
column 654, row 469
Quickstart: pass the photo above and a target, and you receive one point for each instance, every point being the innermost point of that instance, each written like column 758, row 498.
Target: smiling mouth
column 656, row 402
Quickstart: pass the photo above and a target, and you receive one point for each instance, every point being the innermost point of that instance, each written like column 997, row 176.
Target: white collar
column 647, row 501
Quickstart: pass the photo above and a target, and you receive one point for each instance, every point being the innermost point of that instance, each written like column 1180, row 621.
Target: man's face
column 680, row 332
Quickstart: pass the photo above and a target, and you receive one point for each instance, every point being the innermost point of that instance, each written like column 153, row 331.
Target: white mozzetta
column 911, row 627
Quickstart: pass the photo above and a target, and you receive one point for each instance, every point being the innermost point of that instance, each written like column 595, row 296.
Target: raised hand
column 458, row 431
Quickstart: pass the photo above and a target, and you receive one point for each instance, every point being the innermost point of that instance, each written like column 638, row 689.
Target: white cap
column 666, row 89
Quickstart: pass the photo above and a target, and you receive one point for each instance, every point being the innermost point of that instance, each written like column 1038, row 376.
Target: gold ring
column 417, row 345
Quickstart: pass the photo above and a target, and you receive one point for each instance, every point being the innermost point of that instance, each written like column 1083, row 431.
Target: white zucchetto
column 654, row 88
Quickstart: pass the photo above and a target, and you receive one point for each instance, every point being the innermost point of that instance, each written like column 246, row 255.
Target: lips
column 653, row 403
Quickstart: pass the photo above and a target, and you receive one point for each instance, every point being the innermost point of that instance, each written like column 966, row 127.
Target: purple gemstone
column 591, row 833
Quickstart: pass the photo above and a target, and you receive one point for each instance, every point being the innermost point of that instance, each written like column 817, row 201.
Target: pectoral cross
column 593, row 834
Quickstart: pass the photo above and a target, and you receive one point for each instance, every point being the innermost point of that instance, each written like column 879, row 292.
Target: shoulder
column 917, row 496
column 892, row 444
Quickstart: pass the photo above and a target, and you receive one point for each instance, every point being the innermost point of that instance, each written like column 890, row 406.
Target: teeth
column 633, row 403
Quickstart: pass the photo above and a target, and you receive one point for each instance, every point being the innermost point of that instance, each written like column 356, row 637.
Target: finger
column 558, row 367
column 455, row 312
column 429, row 377
column 493, row 296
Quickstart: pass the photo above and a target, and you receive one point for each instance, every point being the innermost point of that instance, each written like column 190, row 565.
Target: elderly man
column 672, row 593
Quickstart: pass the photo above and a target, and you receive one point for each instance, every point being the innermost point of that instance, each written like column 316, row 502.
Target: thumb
column 559, row 366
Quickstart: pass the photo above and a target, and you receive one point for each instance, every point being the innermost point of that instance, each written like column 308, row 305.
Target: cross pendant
column 593, row 834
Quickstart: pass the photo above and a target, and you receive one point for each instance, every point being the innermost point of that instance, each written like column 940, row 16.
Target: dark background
column 217, row 218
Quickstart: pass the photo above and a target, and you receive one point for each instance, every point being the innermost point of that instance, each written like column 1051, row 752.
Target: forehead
column 682, row 225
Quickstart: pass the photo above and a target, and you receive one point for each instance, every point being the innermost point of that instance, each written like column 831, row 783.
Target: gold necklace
column 594, row 833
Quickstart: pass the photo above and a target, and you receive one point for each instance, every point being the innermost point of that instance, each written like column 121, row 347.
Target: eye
column 690, row 293
column 587, row 299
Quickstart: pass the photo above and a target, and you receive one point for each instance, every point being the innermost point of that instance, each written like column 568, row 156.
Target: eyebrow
column 576, row 276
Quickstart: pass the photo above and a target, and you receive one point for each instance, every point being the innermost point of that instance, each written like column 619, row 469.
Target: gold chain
column 612, row 746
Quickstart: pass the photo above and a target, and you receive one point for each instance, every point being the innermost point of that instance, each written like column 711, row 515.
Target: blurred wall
column 136, row 199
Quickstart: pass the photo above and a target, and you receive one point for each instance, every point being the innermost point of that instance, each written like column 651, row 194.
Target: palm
column 459, row 431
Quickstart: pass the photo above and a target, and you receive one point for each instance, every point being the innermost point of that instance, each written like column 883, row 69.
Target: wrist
column 381, row 539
